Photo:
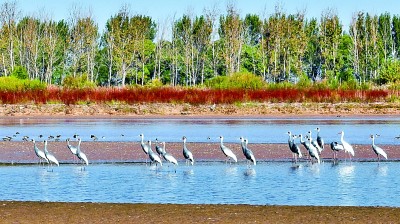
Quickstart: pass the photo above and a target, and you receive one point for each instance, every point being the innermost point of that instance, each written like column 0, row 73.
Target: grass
column 193, row 96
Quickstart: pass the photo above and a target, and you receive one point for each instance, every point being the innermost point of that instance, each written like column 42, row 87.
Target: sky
column 164, row 10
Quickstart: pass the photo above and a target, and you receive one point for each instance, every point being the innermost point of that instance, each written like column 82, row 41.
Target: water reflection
column 277, row 183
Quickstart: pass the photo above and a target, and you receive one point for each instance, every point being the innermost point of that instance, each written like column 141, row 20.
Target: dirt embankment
column 166, row 109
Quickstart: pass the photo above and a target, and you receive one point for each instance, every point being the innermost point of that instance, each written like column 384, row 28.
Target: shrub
column 219, row 82
column 246, row 80
column 78, row 82
column 20, row 72
column 13, row 84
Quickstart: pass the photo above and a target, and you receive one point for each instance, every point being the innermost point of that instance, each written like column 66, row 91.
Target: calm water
column 257, row 130
column 355, row 184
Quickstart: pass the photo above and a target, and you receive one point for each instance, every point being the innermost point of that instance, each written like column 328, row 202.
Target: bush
column 219, row 82
column 78, row 82
column 14, row 84
column 240, row 80
column 20, row 72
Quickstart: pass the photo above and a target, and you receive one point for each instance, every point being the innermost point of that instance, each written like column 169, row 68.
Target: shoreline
column 188, row 110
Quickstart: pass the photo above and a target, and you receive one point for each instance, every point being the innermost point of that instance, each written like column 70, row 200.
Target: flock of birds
column 314, row 148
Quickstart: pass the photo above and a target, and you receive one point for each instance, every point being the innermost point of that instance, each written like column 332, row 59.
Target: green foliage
column 20, row 72
column 390, row 72
column 240, row 80
column 14, row 84
column 155, row 83
column 78, row 82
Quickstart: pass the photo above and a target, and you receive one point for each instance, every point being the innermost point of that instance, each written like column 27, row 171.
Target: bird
column 294, row 148
column 159, row 149
column 168, row 157
column 186, row 153
column 145, row 147
column 72, row 148
column 378, row 150
column 315, row 143
column 49, row 156
column 336, row 147
column 94, row 137
column 39, row 153
column 346, row 146
column 81, row 156
column 227, row 151
column 312, row 151
column 320, row 140
column 246, row 151
column 153, row 157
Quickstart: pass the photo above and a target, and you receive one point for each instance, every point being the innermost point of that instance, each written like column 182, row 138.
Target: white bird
column 145, row 147
column 336, row 147
column 227, row 151
column 159, row 149
column 49, row 156
column 294, row 148
column 71, row 148
column 378, row 150
column 186, row 153
column 39, row 153
column 346, row 146
column 81, row 156
column 246, row 151
column 153, row 157
column 168, row 157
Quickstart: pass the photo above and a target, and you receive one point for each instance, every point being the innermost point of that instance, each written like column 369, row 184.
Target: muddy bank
column 165, row 109
column 39, row 212
column 103, row 152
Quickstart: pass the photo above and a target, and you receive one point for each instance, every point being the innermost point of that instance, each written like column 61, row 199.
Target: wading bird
column 336, row 147
column 227, row 151
column 346, row 146
column 246, row 151
column 81, row 156
column 186, row 153
column 378, row 150
column 168, row 157
column 153, row 157
column 71, row 148
column 312, row 151
column 320, row 140
column 145, row 147
column 39, row 153
column 49, row 156
column 294, row 148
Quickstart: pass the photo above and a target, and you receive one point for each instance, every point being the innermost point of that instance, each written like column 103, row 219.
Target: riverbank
column 168, row 109
column 39, row 212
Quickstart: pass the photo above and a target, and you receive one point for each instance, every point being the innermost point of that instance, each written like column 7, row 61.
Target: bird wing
column 380, row 151
column 170, row 158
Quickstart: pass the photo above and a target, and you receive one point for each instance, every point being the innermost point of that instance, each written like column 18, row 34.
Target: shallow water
column 257, row 130
column 269, row 183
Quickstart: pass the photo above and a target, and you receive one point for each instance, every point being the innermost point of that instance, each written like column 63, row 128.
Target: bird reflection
column 249, row 172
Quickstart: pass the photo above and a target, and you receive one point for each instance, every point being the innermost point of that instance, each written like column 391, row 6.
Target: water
column 257, row 130
column 273, row 183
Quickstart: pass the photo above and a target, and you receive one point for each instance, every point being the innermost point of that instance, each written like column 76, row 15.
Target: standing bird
column 246, row 151
column 81, row 156
column 168, row 157
column 186, row 153
column 50, row 156
column 312, row 151
column 336, row 147
column 71, row 148
column 227, row 151
column 153, row 157
column 145, row 147
column 320, row 140
column 346, row 146
column 39, row 153
column 378, row 150
column 159, row 149
column 315, row 143
column 294, row 148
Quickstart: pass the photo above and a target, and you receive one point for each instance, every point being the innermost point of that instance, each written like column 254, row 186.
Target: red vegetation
column 192, row 95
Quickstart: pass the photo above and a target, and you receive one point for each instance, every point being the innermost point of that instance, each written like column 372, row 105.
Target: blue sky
column 159, row 10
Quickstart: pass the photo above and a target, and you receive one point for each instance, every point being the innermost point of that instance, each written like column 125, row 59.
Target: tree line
column 133, row 49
